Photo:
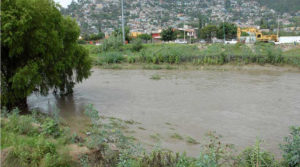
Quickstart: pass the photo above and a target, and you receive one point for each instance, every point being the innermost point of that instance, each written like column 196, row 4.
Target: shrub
column 137, row 45
column 20, row 124
column 80, row 41
column 50, row 127
column 214, row 153
column 256, row 156
column 110, row 58
column 112, row 43
column 291, row 148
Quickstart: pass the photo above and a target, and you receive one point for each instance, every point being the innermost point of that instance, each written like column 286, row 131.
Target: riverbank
column 190, row 66
column 168, row 56
column 42, row 140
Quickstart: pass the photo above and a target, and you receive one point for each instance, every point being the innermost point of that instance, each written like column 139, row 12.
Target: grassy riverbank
column 44, row 140
column 156, row 56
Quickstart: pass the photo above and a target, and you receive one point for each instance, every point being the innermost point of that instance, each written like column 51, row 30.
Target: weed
column 50, row 127
column 291, row 148
column 256, row 156
column 155, row 77
column 176, row 136
column 190, row 140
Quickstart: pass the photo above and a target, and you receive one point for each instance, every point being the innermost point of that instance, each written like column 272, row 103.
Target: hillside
column 282, row 6
column 151, row 15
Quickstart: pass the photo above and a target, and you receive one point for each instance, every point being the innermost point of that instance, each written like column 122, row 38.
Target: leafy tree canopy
column 229, row 29
column 208, row 32
column 39, row 51
column 145, row 37
column 168, row 34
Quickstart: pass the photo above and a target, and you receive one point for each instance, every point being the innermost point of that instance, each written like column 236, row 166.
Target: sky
column 64, row 3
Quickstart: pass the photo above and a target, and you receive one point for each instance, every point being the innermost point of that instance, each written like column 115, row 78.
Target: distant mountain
column 151, row 15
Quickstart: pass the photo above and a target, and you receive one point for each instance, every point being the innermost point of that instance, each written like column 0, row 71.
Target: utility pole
column 123, row 29
column 224, row 32
column 160, row 14
column 184, row 28
column 278, row 26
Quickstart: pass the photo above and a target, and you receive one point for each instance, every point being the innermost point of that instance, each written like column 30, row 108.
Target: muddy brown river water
column 240, row 105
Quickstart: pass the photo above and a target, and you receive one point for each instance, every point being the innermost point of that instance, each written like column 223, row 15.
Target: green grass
column 292, row 52
column 30, row 143
column 156, row 55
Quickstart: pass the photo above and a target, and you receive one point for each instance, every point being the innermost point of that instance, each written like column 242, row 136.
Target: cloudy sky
column 64, row 3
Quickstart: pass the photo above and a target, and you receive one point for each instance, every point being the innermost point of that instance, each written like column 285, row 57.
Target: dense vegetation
column 212, row 54
column 39, row 51
column 44, row 140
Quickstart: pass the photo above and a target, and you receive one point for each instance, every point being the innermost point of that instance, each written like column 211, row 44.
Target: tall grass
column 214, row 54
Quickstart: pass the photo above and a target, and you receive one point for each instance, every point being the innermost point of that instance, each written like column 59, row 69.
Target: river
column 239, row 105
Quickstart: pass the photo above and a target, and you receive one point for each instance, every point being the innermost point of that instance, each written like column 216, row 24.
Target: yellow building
column 135, row 34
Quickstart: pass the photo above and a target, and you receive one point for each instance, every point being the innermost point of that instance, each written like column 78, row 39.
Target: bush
column 214, row 153
column 112, row 43
column 110, row 58
column 50, row 127
column 256, row 156
column 291, row 148
column 137, row 45
column 80, row 41
column 20, row 124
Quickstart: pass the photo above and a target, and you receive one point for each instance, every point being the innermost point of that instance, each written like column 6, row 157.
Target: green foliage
column 80, row 41
column 168, row 34
column 213, row 54
column 20, row 124
column 50, row 127
column 244, row 34
column 93, row 37
column 39, row 51
column 256, row 156
column 291, row 148
column 208, row 32
column 23, row 145
column 190, row 140
column 112, row 43
column 214, row 153
column 118, row 32
column 137, row 45
column 176, row 136
column 110, row 58
column 230, row 31
column 145, row 37
column 155, row 77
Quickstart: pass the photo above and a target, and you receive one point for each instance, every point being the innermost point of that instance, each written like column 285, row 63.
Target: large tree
column 229, row 29
column 208, row 32
column 39, row 51
column 168, row 34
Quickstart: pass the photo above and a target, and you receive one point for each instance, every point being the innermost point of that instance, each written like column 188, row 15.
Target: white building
column 289, row 39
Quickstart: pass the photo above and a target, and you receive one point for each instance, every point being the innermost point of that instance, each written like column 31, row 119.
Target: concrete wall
column 290, row 39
